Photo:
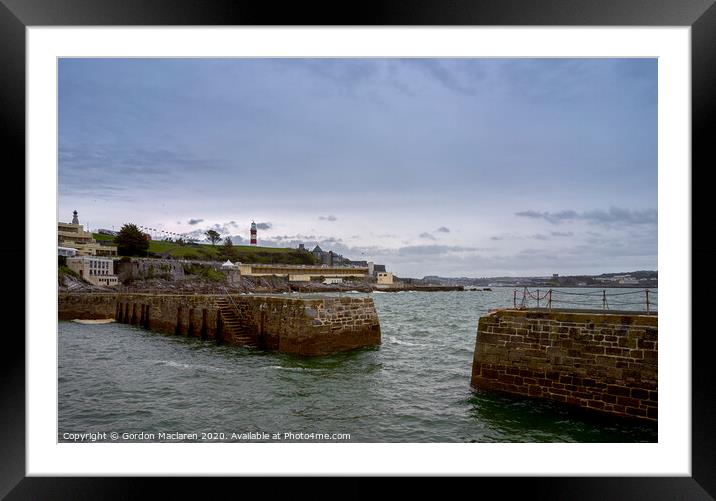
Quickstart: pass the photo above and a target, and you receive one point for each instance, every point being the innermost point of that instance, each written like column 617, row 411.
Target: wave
column 181, row 365
column 294, row 368
column 406, row 343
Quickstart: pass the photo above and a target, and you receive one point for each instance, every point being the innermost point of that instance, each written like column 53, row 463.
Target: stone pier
column 303, row 326
column 601, row 361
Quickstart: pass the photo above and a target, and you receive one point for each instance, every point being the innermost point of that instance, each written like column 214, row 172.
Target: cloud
column 445, row 74
column 238, row 239
column 221, row 228
column 614, row 215
column 96, row 165
column 195, row 221
column 263, row 226
column 434, row 249
column 340, row 72
column 144, row 131
column 534, row 236
column 427, row 235
column 552, row 217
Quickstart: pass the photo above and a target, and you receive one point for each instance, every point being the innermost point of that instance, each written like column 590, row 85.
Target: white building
column 385, row 278
column 96, row 270
column 73, row 235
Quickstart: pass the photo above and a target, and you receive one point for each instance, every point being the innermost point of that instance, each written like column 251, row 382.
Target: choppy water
column 415, row 387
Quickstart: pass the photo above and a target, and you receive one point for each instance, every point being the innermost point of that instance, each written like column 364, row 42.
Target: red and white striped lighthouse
column 253, row 233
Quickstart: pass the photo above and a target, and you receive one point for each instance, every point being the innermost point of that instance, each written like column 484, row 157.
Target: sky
column 450, row 167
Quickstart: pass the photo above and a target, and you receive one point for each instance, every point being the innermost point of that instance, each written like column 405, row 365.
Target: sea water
column 414, row 387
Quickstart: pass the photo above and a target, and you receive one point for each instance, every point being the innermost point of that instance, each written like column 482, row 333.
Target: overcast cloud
column 453, row 167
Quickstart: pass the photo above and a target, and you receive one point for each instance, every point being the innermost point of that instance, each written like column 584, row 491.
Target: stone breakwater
column 604, row 362
column 302, row 326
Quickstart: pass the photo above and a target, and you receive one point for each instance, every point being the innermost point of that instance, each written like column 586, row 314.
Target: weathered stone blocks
column 291, row 325
column 599, row 361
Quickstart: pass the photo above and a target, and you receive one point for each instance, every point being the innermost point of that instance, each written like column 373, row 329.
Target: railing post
column 537, row 298
column 604, row 299
column 514, row 298
column 549, row 299
column 647, row 301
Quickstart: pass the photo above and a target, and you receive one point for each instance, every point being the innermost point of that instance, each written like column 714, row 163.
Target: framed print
column 378, row 246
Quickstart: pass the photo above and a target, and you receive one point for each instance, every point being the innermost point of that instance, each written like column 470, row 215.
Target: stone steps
column 232, row 324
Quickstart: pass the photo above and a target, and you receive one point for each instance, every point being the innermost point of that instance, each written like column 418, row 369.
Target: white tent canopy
column 228, row 264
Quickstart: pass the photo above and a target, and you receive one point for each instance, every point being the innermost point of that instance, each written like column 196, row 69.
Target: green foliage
column 213, row 237
column 269, row 256
column 214, row 275
column 227, row 251
column 204, row 271
column 243, row 253
column 131, row 241
column 64, row 271
column 248, row 257
column 302, row 257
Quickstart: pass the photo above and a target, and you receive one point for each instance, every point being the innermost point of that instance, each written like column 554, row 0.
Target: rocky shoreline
column 252, row 285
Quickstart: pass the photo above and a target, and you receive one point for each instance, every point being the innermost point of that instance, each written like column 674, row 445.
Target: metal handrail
column 584, row 299
column 236, row 307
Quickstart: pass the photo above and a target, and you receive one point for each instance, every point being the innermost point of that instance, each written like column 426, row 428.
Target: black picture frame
column 700, row 15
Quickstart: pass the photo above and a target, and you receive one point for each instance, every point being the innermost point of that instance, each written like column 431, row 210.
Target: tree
column 213, row 237
column 227, row 251
column 131, row 241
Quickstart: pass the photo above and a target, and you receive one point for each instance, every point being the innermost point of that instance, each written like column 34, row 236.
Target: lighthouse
column 253, row 233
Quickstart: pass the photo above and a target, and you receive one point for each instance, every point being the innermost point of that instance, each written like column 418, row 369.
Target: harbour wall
column 301, row 326
column 605, row 362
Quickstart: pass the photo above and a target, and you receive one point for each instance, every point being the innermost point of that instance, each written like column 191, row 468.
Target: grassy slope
column 246, row 253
